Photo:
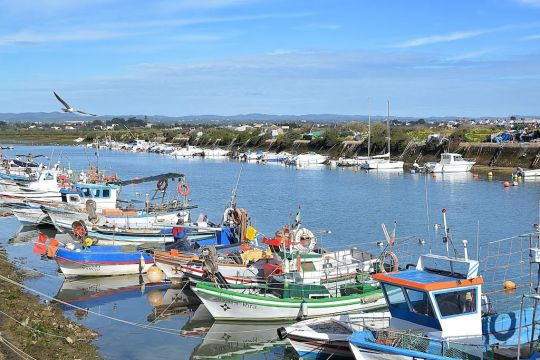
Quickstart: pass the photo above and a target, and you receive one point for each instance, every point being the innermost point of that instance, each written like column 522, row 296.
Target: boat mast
column 388, row 126
column 369, row 129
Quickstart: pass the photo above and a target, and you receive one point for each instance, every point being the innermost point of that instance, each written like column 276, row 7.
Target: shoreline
column 38, row 329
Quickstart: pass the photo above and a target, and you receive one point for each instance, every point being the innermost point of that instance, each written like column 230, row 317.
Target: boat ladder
column 536, row 160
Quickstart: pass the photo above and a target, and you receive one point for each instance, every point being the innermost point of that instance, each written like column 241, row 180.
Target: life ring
column 237, row 216
column 183, row 189
column 162, row 185
column 79, row 229
column 394, row 261
column 304, row 240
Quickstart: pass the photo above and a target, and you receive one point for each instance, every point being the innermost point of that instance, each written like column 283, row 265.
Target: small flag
column 251, row 232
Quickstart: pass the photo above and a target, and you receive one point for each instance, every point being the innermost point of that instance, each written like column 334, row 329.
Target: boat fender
column 304, row 308
column 183, row 189
column 282, row 333
column 162, row 185
column 52, row 248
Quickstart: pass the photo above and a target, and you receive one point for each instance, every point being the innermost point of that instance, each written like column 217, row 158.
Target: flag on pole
column 297, row 218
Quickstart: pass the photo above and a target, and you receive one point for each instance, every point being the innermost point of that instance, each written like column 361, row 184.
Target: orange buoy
column 506, row 184
column 475, row 176
column 52, row 248
column 154, row 274
column 509, row 285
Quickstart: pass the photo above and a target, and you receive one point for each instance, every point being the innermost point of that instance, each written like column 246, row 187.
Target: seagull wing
column 62, row 100
column 85, row 113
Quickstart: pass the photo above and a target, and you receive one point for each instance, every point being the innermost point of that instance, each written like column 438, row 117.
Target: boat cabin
column 105, row 196
column 442, row 294
column 450, row 158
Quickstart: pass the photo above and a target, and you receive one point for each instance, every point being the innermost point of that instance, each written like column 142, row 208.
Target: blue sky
column 226, row 57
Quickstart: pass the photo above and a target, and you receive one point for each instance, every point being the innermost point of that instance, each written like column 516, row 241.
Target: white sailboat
column 382, row 162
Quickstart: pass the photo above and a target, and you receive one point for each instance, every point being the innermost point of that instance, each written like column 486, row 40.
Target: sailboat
column 382, row 162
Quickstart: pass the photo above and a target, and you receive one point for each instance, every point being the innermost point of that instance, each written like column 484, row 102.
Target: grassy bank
column 37, row 329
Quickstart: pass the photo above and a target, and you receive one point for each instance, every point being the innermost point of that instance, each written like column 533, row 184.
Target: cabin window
column 86, row 192
column 308, row 266
column 458, row 158
column 396, row 297
column 96, row 193
column 456, row 302
column 419, row 301
column 73, row 199
column 106, row 193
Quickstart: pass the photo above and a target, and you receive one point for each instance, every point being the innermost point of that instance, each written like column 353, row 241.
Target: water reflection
column 228, row 340
column 93, row 292
column 178, row 299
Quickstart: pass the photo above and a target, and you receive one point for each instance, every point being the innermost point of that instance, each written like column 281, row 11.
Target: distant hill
column 60, row 116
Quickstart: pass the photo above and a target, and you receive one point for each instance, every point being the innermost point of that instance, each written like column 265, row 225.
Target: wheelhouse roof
column 96, row 186
column 425, row 281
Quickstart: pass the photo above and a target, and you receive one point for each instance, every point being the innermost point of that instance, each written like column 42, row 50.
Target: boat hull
column 227, row 305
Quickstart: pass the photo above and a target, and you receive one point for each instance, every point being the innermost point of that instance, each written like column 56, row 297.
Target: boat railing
column 414, row 341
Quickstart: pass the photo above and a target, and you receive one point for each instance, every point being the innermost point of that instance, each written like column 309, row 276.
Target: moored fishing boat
column 450, row 163
column 439, row 311
column 276, row 302
column 326, row 337
column 101, row 261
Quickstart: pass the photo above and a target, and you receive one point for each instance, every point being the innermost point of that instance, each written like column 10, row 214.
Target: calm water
column 351, row 205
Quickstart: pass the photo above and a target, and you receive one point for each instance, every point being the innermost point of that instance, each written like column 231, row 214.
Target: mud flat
column 30, row 329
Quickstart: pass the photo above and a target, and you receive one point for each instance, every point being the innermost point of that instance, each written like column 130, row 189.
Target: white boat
column 216, row 153
column 45, row 188
column 272, row 157
column 450, row 163
column 309, row 158
column 326, row 337
column 188, row 151
column 383, row 162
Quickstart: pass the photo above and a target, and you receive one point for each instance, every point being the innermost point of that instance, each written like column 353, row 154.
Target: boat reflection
column 178, row 299
column 89, row 293
column 228, row 340
column 456, row 178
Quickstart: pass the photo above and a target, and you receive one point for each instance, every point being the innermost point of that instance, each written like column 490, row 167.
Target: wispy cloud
column 434, row 39
column 531, row 37
column 468, row 55
column 319, row 26
column 30, row 37
column 463, row 35
column 535, row 3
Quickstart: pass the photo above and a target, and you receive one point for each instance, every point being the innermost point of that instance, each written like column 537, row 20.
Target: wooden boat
column 326, row 337
column 284, row 302
column 101, row 261
column 439, row 312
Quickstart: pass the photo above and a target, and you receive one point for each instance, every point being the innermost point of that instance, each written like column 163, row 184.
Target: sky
column 227, row 57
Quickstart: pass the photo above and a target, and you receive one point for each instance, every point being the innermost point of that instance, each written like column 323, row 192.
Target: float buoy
column 490, row 173
column 509, row 285
column 506, row 184
column 154, row 274
column 475, row 176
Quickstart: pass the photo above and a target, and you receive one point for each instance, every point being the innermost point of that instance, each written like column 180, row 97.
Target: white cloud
column 531, row 37
column 434, row 39
column 468, row 55
column 30, row 37
column 535, row 3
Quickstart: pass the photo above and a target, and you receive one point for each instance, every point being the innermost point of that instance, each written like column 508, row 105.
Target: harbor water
column 346, row 207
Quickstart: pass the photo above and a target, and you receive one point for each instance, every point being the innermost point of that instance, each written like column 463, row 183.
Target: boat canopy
column 148, row 179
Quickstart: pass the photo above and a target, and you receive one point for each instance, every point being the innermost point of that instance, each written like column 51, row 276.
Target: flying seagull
column 68, row 108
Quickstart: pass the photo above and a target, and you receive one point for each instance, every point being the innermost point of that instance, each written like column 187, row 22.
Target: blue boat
column 102, row 261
